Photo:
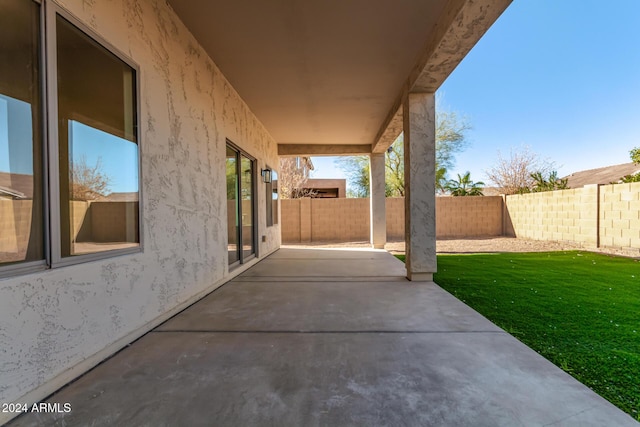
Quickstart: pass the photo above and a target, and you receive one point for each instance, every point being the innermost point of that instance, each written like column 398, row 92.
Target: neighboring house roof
column 17, row 185
column 327, row 187
column 604, row 175
column 491, row 191
column 7, row 192
column 122, row 197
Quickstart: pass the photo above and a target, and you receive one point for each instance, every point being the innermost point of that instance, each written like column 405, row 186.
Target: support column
column 377, row 208
column 419, row 182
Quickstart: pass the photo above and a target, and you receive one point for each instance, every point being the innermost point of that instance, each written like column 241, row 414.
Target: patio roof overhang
column 329, row 77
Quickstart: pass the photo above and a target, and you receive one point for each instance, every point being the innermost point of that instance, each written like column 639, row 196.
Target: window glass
column 240, row 205
column 274, row 196
column 232, row 205
column 21, row 194
column 97, row 142
column 246, row 188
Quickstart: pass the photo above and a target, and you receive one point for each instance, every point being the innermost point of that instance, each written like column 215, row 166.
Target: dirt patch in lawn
column 477, row 245
column 489, row 244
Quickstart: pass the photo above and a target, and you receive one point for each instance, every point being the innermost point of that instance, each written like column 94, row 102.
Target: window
column 90, row 192
column 21, row 189
column 97, row 145
column 271, row 198
column 274, row 196
column 240, row 171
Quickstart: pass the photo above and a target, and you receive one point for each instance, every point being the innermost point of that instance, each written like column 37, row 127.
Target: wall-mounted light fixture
column 266, row 176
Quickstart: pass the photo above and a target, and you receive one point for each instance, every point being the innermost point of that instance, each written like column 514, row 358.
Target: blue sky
column 21, row 155
column 118, row 157
column 561, row 76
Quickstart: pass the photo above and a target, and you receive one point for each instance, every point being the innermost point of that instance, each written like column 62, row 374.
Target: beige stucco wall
column 59, row 322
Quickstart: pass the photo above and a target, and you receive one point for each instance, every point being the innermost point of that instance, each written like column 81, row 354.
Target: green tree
column 394, row 169
column 464, row 186
column 357, row 170
column 451, row 138
column 441, row 180
column 550, row 183
column 631, row 178
column 635, row 158
column 451, row 130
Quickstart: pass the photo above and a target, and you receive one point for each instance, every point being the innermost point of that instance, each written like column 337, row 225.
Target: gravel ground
column 476, row 245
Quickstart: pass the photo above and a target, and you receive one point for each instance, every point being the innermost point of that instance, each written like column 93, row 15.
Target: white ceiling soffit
column 333, row 72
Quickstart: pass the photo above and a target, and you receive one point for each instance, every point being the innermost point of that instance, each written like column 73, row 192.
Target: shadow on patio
column 331, row 337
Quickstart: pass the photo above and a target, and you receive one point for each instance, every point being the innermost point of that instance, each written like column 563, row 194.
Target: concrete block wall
column 305, row 220
column 334, row 219
column 591, row 216
column 620, row 216
column 114, row 221
column 90, row 221
column 80, row 221
column 472, row 216
column 565, row 215
column 104, row 221
column 395, row 218
column 15, row 226
column 326, row 220
column 290, row 220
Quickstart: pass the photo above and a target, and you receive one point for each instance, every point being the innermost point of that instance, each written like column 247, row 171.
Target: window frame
column 48, row 78
column 254, row 205
column 271, row 214
column 25, row 267
column 57, row 260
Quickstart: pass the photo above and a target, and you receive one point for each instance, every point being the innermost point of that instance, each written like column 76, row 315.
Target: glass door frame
column 254, row 206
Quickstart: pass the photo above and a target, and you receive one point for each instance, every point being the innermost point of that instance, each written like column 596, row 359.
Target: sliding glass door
column 246, row 207
column 232, row 205
column 240, row 171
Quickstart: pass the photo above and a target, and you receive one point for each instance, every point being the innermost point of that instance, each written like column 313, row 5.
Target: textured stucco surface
column 378, row 233
column 53, row 320
column 420, row 199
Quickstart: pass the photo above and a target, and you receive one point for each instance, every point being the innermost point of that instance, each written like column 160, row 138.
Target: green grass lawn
column 578, row 309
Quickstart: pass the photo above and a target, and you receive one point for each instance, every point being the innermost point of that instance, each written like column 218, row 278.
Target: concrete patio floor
column 317, row 337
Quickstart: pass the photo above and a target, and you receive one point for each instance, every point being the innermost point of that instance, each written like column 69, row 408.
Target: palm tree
column 552, row 183
column 441, row 179
column 463, row 186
